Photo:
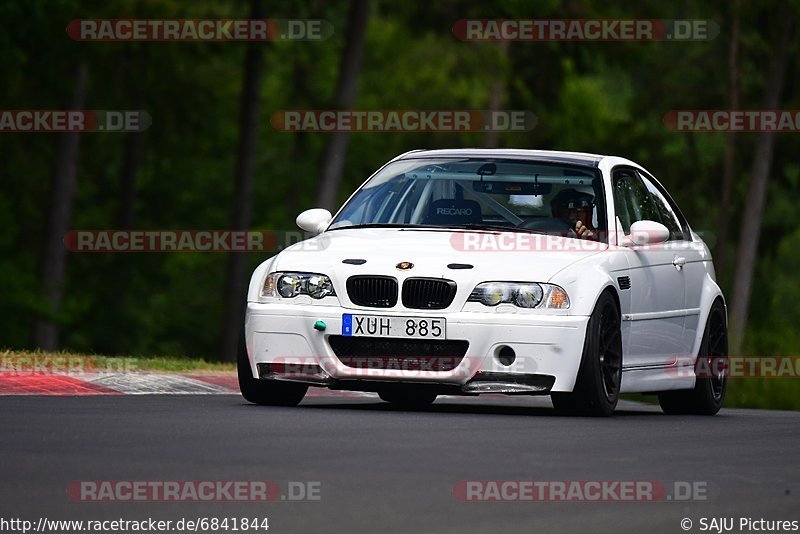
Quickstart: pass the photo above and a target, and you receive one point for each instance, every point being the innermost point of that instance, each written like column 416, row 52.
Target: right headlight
column 290, row 285
column 520, row 294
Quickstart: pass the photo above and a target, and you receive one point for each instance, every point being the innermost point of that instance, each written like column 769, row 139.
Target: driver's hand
column 583, row 231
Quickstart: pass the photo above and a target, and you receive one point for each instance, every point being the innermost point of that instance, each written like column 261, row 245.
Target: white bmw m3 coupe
column 518, row 272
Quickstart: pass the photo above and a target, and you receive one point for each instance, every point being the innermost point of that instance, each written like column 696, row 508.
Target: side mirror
column 645, row 233
column 314, row 220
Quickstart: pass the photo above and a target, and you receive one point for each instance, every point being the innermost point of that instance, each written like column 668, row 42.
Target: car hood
column 435, row 253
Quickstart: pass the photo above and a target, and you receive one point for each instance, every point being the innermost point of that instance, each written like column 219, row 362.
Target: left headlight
column 289, row 285
column 520, row 294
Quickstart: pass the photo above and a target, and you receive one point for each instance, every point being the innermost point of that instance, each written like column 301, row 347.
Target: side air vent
column 624, row 282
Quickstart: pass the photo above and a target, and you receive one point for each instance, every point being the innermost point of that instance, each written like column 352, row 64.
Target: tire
column 597, row 387
column 263, row 391
column 407, row 397
column 708, row 394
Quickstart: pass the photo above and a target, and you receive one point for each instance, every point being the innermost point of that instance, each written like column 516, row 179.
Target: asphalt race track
column 381, row 469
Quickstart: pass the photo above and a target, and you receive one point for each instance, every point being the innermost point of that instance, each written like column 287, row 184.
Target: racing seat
column 445, row 212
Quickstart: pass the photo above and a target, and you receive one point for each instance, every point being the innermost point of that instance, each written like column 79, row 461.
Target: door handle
column 679, row 262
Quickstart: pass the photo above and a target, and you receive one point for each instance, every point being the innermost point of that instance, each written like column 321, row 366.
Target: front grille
column 428, row 293
column 372, row 291
column 398, row 354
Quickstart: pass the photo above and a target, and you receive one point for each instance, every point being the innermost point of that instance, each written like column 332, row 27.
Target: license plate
column 389, row 326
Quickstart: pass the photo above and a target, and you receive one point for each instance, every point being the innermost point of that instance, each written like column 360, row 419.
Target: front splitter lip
column 509, row 384
column 482, row 382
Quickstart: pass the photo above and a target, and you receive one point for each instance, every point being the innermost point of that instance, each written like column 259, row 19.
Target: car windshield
column 480, row 193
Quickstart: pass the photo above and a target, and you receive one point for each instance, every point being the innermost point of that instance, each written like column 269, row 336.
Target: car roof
column 555, row 156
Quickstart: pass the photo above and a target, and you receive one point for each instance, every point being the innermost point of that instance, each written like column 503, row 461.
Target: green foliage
column 765, row 393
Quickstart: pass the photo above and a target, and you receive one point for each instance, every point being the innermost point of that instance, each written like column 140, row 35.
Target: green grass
column 769, row 393
column 762, row 393
column 68, row 361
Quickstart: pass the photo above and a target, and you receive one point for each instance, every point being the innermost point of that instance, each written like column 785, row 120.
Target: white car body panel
column 672, row 288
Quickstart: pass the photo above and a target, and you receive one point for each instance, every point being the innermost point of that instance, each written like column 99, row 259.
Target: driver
column 575, row 208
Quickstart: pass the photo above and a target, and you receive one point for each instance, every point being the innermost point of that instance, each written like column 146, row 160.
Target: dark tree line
column 212, row 160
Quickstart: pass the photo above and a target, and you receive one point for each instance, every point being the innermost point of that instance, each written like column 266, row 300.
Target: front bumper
column 545, row 346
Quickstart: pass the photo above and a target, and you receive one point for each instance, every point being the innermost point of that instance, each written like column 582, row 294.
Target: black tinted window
column 666, row 215
column 632, row 199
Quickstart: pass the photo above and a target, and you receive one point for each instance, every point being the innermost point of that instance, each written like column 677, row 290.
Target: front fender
column 586, row 279
column 257, row 279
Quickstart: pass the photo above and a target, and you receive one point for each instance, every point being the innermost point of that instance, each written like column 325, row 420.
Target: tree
column 244, row 172
column 349, row 69
column 757, row 192
column 52, row 266
column 729, row 159
column 496, row 92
